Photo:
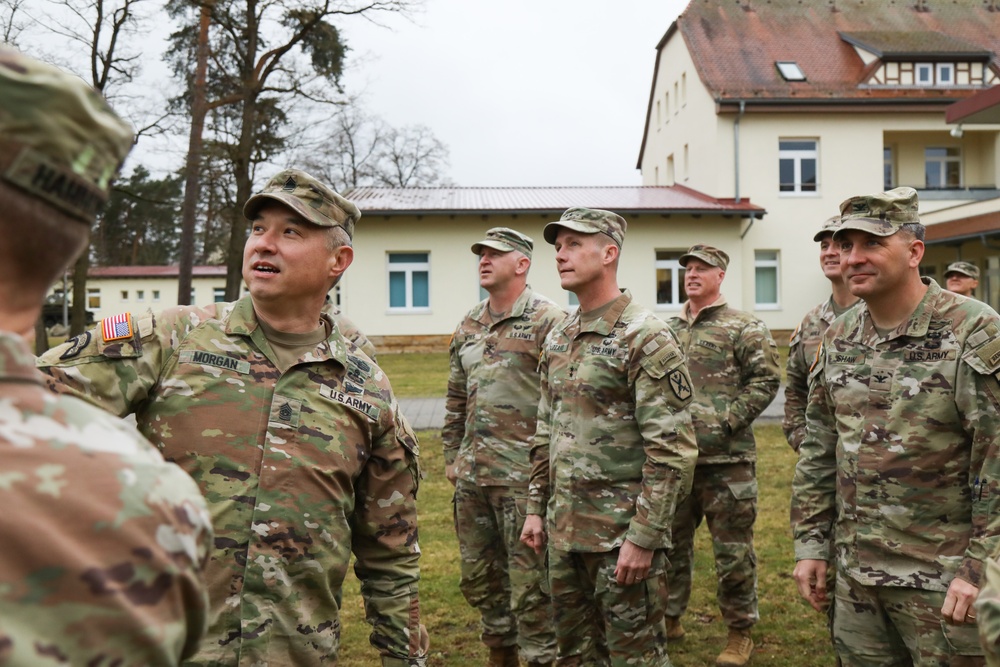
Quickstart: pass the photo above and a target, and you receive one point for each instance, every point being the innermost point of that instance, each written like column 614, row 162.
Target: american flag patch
column 116, row 327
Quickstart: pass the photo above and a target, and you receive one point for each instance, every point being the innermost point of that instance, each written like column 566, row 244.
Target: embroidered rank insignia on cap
column 117, row 327
column 290, row 184
column 679, row 384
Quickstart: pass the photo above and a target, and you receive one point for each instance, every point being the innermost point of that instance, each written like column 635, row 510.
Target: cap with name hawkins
column 706, row 253
column 965, row 268
column 505, row 239
column 881, row 214
column 308, row 197
column 59, row 139
column 588, row 221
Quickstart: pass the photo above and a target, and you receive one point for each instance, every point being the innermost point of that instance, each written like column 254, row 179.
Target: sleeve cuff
column 814, row 550
column 971, row 570
column 647, row 537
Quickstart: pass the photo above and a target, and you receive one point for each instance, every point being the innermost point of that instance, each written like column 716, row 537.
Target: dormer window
column 790, row 71
column 925, row 74
column 945, row 74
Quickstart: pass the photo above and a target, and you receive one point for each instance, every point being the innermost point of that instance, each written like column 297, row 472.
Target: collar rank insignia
column 117, row 327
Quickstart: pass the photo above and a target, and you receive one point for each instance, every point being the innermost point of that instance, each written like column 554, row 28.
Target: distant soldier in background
column 962, row 278
column 492, row 402
column 898, row 478
column 103, row 543
column 292, row 432
column 734, row 361
column 611, row 458
column 807, row 336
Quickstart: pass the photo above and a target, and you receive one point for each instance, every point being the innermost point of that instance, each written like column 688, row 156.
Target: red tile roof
column 735, row 43
column 621, row 199
column 153, row 271
column 983, row 107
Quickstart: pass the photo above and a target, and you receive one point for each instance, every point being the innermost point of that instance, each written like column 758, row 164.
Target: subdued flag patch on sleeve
column 117, row 327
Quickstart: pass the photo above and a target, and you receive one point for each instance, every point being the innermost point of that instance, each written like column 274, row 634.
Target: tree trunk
column 78, row 318
column 192, row 170
column 41, row 337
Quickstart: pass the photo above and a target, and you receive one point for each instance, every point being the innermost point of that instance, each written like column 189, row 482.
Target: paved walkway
column 428, row 413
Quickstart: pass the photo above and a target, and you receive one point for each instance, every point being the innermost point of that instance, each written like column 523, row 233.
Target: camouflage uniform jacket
column 988, row 612
column 900, row 464
column 299, row 469
column 104, row 543
column 802, row 349
column 493, row 390
column 735, row 361
column 614, row 450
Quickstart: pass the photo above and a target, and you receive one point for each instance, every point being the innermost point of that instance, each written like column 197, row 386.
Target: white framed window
column 140, row 295
column 766, row 273
column 798, row 161
column 93, row 297
column 409, row 281
column 888, row 168
column 669, row 280
column 218, row 294
column 156, row 296
column 945, row 74
column 924, row 74
column 124, row 295
column 943, row 167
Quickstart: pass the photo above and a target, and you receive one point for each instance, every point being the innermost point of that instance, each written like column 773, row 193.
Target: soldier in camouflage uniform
column 611, row 458
column 806, row 338
column 492, row 402
column 736, row 362
column 290, row 430
column 103, row 543
column 987, row 610
column 899, row 469
column 962, row 278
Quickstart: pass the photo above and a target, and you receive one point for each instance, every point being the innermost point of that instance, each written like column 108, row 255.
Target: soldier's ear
column 340, row 259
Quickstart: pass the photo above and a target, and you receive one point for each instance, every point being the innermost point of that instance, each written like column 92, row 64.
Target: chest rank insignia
column 285, row 412
column 679, row 384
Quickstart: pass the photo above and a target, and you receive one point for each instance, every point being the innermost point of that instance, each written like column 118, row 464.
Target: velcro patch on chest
column 930, row 355
column 285, row 412
column 710, row 345
column 212, row 359
column 841, row 358
column 558, row 347
column 990, row 353
column 521, row 335
column 351, row 401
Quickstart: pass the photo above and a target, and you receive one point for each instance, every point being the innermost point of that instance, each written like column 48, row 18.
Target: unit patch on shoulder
column 80, row 342
column 679, row 384
column 117, row 327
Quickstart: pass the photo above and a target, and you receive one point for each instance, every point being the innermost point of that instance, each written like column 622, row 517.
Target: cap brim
column 961, row 273
column 870, row 225
column 551, row 230
column 477, row 248
column 823, row 232
column 256, row 202
column 686, row 257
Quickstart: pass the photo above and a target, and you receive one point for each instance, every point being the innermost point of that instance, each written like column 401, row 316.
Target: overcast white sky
column 523, row 92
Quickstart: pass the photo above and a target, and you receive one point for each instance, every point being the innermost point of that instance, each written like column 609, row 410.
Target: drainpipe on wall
column 736, row 151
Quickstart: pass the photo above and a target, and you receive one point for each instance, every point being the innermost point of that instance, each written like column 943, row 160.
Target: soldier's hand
column 533, row 533
column 810, row 575
column 957, row 607
column 633, row 564
column 449, row 472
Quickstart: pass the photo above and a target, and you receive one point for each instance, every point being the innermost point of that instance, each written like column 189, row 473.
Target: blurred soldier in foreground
column 735, row 361
column 103, row 543
column 291, row 431
column 899, row 468
column 962, row 278
column 612, row 455
column 492, row 402
column 988, row 609
column 807, row 336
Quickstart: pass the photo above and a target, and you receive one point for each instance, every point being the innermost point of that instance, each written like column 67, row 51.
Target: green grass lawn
column 790, row 633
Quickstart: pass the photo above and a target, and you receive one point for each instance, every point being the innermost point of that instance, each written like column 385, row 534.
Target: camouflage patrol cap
column 308, row 197
column 881, row 214
column 965, row 268
column 505, row 240
column 588, row 221
column 706, row 253
column 59, row 140
column 830, row 225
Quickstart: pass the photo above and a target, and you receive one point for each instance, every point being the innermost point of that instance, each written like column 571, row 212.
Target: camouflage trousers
column 601, row 623
column 888, row 626
column 501, row 577
column 725, row 495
